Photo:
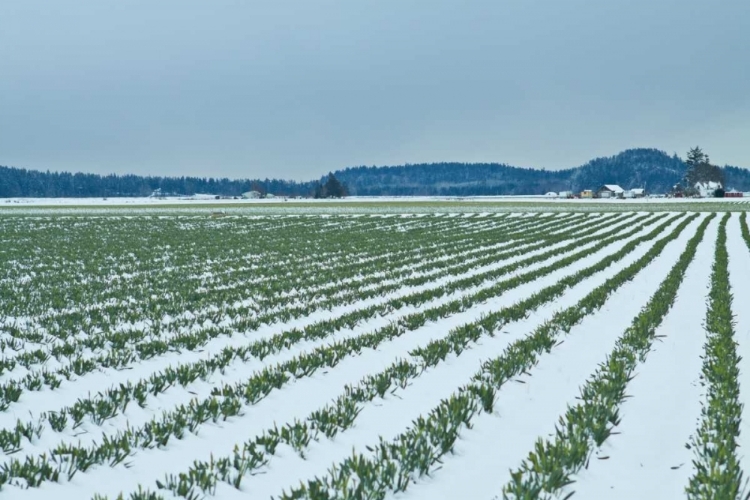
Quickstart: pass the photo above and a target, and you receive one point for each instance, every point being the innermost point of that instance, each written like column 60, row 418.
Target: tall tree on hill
column 700, row 169
column 695, row 156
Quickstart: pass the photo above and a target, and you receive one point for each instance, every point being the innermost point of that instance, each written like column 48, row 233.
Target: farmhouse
column 587, row 193
column 706, row 189
column 634, row 193
column 733, row 193
column 610, row 191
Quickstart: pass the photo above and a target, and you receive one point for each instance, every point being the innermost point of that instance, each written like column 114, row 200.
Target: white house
column 634, row 193
column 706, row 189
column 610, row 191
column 251, row 195
column 551, row 194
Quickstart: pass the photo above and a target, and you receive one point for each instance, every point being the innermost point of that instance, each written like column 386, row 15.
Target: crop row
column 94, row 341
column 87, row 318
column 229, row 400
column 717, row 472
column 168, row 304
column 341, row 415
column 393, row 465
column 264, row 262
column 137, row 349
column 188, row 372
column 415, row 452
column 135, row 255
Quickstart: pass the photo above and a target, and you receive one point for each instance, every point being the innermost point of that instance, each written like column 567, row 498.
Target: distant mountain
column 650, row 168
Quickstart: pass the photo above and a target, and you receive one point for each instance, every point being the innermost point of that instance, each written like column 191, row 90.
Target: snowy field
column 485, row 355
column 211, row 199
column 205, row 204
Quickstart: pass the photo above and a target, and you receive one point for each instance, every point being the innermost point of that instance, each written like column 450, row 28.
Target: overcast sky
column 293, row 89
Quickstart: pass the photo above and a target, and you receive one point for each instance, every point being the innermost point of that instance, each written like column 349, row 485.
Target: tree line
column 647, row 168
column 18, row 182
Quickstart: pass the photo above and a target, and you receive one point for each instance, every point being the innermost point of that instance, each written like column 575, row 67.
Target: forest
column 652, row 169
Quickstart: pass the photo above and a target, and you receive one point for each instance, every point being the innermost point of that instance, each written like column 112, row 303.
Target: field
column 511, row 351
column 359, row 206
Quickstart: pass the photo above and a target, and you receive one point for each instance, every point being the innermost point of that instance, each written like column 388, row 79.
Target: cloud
column 295, row 89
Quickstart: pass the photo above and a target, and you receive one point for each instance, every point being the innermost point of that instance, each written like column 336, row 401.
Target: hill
column 650, row 168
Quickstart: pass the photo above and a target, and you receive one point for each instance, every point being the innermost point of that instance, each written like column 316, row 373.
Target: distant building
column 610, row 191
column 634, row 193
column 707, row 189
column 551, row 194
column 587, row 193
column 565, row 194
column 251, row 195
column 733, row 193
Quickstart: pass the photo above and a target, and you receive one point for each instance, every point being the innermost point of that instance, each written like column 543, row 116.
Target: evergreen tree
column 700, row 169
column 319, row 191
column 333, row 188
column 695, row 156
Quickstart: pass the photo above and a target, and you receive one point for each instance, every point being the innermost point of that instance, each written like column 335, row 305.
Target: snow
column 645, row 458
column 739, row 280
column 300, row 398
column 531, row 408
column 389, row 417
column 186, row 201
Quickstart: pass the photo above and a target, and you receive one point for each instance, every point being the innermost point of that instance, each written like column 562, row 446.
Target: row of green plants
column 186, row 373
column 228, row 400
column 716, row 468
column 585, row 426
column 91, row 321
column 478, row 396
column 131, row 249
column 263, row 263
column 86, row 319
column 392, row 466
column 92, row 342
column 132, row 350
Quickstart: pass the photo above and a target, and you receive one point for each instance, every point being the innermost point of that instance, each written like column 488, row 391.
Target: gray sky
column 295, row 88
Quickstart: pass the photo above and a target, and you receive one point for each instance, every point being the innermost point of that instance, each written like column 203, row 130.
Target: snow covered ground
column 263, row 356
column 211, row 199
column 208, row 205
